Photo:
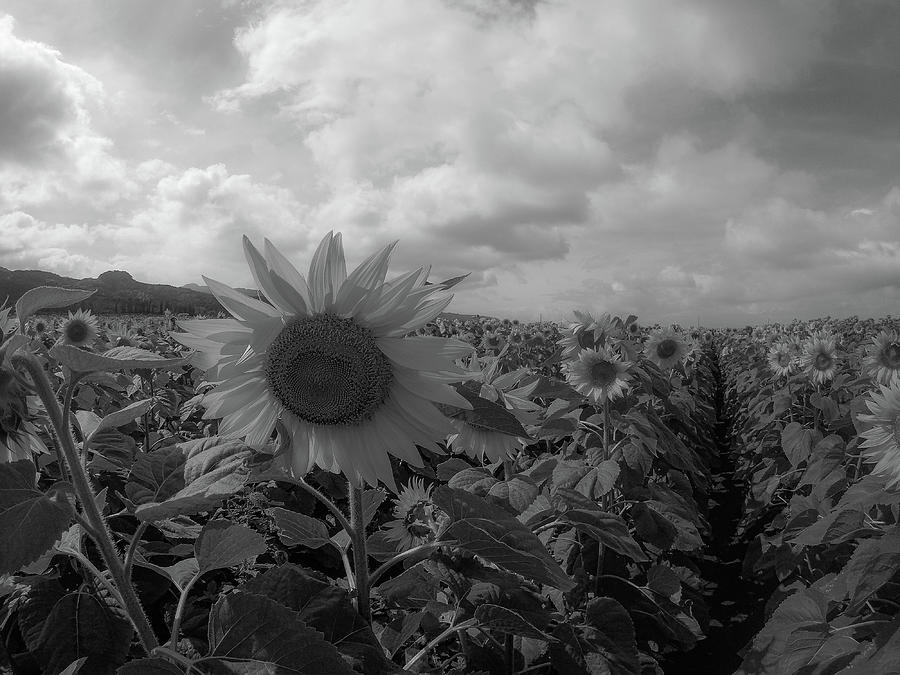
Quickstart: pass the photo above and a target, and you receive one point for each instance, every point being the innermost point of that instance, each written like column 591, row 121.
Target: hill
column 117, row 293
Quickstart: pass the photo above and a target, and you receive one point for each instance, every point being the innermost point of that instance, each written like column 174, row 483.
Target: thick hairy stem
column 360, row 557
column 85, row 495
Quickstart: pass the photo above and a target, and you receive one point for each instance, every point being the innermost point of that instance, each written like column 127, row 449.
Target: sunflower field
column 334, row 477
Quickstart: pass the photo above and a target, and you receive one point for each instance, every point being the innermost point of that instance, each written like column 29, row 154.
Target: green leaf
column 831, row 528
column 796, row 441
column 81, row 625
column 805, row 608
column 222, row 544
column 326, row 608
column 398, row 631
column 30, row 522
column 599, row 480
column 613, row 634
column 607, row 528
column 450, row 467
column 187, row 478
column 122, row 417
column 497, row 536
column 872, row 565
column 519, row 492
column 256, row 630
column 117, row 358
column 47, row 297
column 296, row 529
column 412, row 589
column 568, row 472
column 870, row 491
column 152, row 666
column 485, row 415
column 506, row 620
column 478, row 481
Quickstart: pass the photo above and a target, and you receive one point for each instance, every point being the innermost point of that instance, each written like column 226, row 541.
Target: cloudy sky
column 734, row 161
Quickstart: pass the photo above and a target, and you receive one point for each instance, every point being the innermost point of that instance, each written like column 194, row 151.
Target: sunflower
column 781, row 359
column 329, row 358
column 598, row 374
column 883, row 360
column 819, row 358
column 578, row 336
column 121, row 335
column 665, row 348
column 882, row 432
column 492, row 342
column 18, row 437
column 80, row 329
column 417, row 519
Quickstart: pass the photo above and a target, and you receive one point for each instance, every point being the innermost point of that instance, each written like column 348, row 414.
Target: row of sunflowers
column 814, row 409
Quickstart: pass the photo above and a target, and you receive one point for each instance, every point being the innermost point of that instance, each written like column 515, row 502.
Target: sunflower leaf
column 187, row 478
column 117, row 358
column 497, row 536
column 223, row 544
column 507, row 621
column 81, row 625
column 30, row 522
column 297, row 529
column 326, row 608
column 46, row 297
column 248, row 628
column 485, row 415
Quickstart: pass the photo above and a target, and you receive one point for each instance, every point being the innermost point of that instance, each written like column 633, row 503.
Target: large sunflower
column 598, row 374
column 819, row 359
column 883, row 360
column 882, row 433
column 666, row 348
column 329, row 358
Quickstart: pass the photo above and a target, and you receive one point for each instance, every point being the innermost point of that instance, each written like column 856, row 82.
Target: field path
column 737, row 604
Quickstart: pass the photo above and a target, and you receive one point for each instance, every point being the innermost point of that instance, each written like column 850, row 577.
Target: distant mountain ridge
column 117, row 293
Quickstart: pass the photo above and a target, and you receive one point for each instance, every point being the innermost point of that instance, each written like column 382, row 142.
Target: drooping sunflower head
column 666, row 348
column 416, row 518
column 881, row 432
column 883, row 361
column 329, row 359
column 819, row 359
column 80, row 329
column 599, row 374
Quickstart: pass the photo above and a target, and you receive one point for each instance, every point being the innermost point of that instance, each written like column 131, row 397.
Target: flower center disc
column 328, row 370
column 603, row 373
column 823, row 362
column 666, row 348
column 76, row 331
column 586, row 339
column 891, row 356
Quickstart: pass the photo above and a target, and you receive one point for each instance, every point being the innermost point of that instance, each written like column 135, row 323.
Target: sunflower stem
column 409, row 553
column 360, row 558
column 92, row 515
column 330, row 505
